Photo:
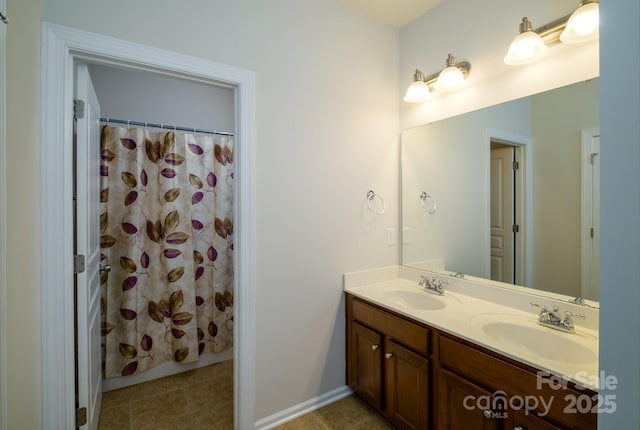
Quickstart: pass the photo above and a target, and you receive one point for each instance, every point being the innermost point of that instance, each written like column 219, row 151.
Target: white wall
column 154, row 98
column 23, row 216
column 620, row 210
column 327, row 131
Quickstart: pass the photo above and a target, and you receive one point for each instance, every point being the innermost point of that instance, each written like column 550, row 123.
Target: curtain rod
column 165, row 126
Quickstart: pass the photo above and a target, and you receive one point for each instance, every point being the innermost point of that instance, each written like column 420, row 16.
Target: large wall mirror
column 509, row 192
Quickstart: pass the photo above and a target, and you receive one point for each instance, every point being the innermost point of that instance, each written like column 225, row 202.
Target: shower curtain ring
column 371, row 195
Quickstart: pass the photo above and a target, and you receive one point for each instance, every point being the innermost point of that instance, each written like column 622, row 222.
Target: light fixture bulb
column 583, row 25
column 526, row 47
column 418, row 90
column 451, row 77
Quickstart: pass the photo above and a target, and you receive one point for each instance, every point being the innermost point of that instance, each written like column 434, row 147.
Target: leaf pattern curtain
column 167, row 232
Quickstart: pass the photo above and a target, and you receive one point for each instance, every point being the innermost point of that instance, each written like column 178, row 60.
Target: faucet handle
column 568, row 321
column 578, row 301
column 543, row 307
column 569, row 314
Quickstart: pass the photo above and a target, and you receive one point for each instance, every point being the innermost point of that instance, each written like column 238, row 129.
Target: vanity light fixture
column 531, row 45
column 527, row 46
column 448, row 79
column 583, row 24
column 451, row 77
column 418, row 89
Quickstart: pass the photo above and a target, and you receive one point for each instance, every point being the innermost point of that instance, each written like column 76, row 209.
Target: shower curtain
column 166, row 223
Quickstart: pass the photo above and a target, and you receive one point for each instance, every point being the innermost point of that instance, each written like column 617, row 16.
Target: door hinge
column 591, row 233
column 78, row 263
column 81, row 417
column 515, row 228
column 592, row 156
column 516, row 165
column 78, row 109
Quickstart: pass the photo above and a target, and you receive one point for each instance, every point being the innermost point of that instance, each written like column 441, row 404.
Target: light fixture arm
column 550, row 33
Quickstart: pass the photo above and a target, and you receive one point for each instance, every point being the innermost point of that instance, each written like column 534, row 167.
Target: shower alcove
column 143, row 96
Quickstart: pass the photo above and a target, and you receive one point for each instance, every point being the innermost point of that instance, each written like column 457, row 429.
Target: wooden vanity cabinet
column 387, row 364
column 418, row 377
column 513, row 382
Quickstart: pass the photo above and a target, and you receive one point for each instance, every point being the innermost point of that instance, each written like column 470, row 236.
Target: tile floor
column 346, row 414
column 202, row 399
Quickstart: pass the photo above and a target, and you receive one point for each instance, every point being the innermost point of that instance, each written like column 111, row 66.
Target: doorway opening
column 509, row 213
column 505, row 208
column 161, row 302
column 62, row 49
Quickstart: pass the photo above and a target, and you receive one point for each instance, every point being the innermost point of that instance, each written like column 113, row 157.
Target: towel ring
column 370, row 196
column 423, row 199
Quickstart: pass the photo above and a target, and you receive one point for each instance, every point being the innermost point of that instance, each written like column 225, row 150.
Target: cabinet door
column 365, row 356
column 462, row 405
column 530, row 421
column 407, row 379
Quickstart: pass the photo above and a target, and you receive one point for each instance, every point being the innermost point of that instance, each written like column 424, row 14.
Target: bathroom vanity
column 473, row 358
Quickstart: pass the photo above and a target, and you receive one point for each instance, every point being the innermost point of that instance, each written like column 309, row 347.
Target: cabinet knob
column 105, row 268
column 375, row 347
column 518, row 428
column 388, row 355
column 487, row 413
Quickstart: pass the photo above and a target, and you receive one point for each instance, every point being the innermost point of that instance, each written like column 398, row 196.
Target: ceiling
column 396, row 13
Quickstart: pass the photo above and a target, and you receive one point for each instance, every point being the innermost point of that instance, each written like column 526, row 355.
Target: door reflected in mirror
column 516, row 188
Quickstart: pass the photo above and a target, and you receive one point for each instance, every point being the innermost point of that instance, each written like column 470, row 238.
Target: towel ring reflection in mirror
column 371, row 195
column 430, row 207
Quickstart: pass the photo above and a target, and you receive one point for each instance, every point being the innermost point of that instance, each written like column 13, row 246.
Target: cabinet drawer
column 489, row 371
column 482, row 368
column 407, row 333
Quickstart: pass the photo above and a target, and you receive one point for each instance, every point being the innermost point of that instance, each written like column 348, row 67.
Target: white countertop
column 467, row 306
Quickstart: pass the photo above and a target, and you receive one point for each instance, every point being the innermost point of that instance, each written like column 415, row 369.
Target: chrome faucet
column 432, row 284
column 551, row 318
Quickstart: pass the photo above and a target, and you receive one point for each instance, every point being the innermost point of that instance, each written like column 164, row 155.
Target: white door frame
column 524, row 192
column 61, row 47
column 586, row 217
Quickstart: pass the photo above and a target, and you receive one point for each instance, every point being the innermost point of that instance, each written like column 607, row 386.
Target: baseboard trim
column 302, row 408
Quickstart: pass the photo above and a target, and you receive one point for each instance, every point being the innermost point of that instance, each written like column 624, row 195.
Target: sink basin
column 527, row 336
column 415, row 299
